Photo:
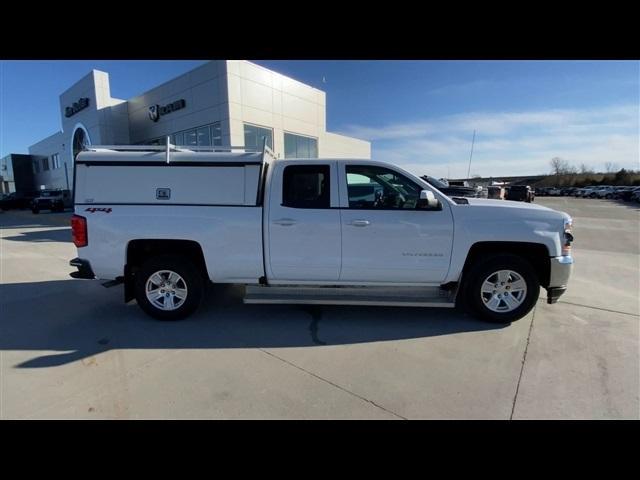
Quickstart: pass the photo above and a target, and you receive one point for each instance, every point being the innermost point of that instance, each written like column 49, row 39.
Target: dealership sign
column 156, row 111
column 76, row 107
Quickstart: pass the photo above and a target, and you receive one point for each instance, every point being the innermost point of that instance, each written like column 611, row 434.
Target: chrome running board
column 379, row 296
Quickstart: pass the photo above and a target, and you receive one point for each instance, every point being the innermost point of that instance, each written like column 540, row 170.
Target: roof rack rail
column 162, row 148
column 168, row 147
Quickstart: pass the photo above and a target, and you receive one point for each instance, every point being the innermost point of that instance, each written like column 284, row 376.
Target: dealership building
column 221, row 103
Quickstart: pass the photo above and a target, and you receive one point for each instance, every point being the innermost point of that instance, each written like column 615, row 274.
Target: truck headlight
column 567, row 237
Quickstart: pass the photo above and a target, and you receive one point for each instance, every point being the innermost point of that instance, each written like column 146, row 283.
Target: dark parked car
column 451, row 190
column 54, row 200
column 626, row 193
column 16, row 200
column 520, row 193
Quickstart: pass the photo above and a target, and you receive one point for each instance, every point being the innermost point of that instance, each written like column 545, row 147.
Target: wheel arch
column 140, row 250
column 537, row 254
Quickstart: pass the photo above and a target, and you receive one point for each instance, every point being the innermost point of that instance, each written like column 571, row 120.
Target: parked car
column 297, row 231
column 553, row 192
column 626, row 193
column 567, row 191
column 605, row 192
column 495, row 192
column 589, row 192
column 54, row 200
column 16, row 200
column 520, row 193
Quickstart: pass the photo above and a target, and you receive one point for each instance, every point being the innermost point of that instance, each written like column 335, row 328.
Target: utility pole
column 472, row 142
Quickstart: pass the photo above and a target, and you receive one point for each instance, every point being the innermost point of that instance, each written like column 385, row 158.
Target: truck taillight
column 79, row 231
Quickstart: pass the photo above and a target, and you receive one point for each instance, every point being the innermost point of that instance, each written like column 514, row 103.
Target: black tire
column 35, row 210
column 190, row 275
column 484, row 268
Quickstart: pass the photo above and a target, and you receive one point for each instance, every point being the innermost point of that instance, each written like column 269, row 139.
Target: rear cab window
column 306, row 186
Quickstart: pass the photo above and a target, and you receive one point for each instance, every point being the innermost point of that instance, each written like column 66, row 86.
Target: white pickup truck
column 166, row 220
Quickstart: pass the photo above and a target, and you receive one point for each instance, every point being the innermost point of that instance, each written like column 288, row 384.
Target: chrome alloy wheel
column 166, row 290
column 503, row 291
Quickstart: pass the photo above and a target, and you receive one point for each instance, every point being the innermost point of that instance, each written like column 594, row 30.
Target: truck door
column 385, row 237
column 302, row 224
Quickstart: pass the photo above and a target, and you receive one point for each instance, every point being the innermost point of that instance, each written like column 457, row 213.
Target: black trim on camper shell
column 156, row 163
column 163, row 204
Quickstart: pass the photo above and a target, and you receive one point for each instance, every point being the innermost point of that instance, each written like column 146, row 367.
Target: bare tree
column 584, row 168
column 610, row 167
column 559, row 166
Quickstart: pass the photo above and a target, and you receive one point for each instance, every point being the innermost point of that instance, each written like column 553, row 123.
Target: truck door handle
column 285, row 222
column 360, row 223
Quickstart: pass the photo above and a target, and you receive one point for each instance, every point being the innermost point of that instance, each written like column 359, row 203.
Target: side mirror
column 428, row 200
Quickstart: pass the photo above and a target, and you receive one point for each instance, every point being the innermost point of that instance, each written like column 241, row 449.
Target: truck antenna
column 471, row 155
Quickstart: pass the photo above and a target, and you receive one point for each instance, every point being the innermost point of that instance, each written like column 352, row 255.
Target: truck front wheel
column 502, row 288
column 168, row 287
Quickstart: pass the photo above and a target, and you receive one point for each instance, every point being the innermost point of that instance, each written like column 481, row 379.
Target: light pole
column 472, row 142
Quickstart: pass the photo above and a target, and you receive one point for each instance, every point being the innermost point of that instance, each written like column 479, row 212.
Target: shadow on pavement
column 26, row 219
column 50, row 235
column 81, row 318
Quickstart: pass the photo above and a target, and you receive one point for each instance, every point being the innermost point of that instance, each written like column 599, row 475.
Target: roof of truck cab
column 142, row 157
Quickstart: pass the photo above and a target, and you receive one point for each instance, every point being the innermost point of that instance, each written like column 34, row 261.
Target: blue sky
column 419, row 114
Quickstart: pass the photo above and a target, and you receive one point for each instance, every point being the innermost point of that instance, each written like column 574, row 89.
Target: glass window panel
column 303, row 147
column 179, row 138
column 216, row 134
column 253, row 137
column 190, row 138
column 250, row 137
column 268, row 133
column 299, row 146
column 384, row 190
column 204, row 138
column 306, row 186
column 289, row 146
column 313, row 148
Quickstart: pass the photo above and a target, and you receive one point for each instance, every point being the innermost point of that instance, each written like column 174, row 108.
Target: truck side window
column 373, row 187
column 306, row 186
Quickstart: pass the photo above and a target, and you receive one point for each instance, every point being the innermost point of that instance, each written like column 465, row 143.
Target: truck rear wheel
column 502, row 288
column 168, row 287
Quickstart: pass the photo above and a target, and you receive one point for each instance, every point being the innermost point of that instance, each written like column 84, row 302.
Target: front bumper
column 559, row 273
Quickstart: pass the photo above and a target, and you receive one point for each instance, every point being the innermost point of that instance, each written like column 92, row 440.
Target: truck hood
column 510, row 208
column 484, row 202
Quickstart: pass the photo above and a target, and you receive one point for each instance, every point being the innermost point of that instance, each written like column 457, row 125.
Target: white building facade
column 221, row 103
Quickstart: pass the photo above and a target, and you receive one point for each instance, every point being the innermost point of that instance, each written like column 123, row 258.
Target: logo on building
column 156, row 111
column 76, row 107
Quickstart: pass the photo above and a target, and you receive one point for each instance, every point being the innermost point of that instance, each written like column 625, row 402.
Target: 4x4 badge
column 98, row 209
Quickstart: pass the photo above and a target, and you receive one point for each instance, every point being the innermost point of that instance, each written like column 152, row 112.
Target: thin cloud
column 509, row 143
